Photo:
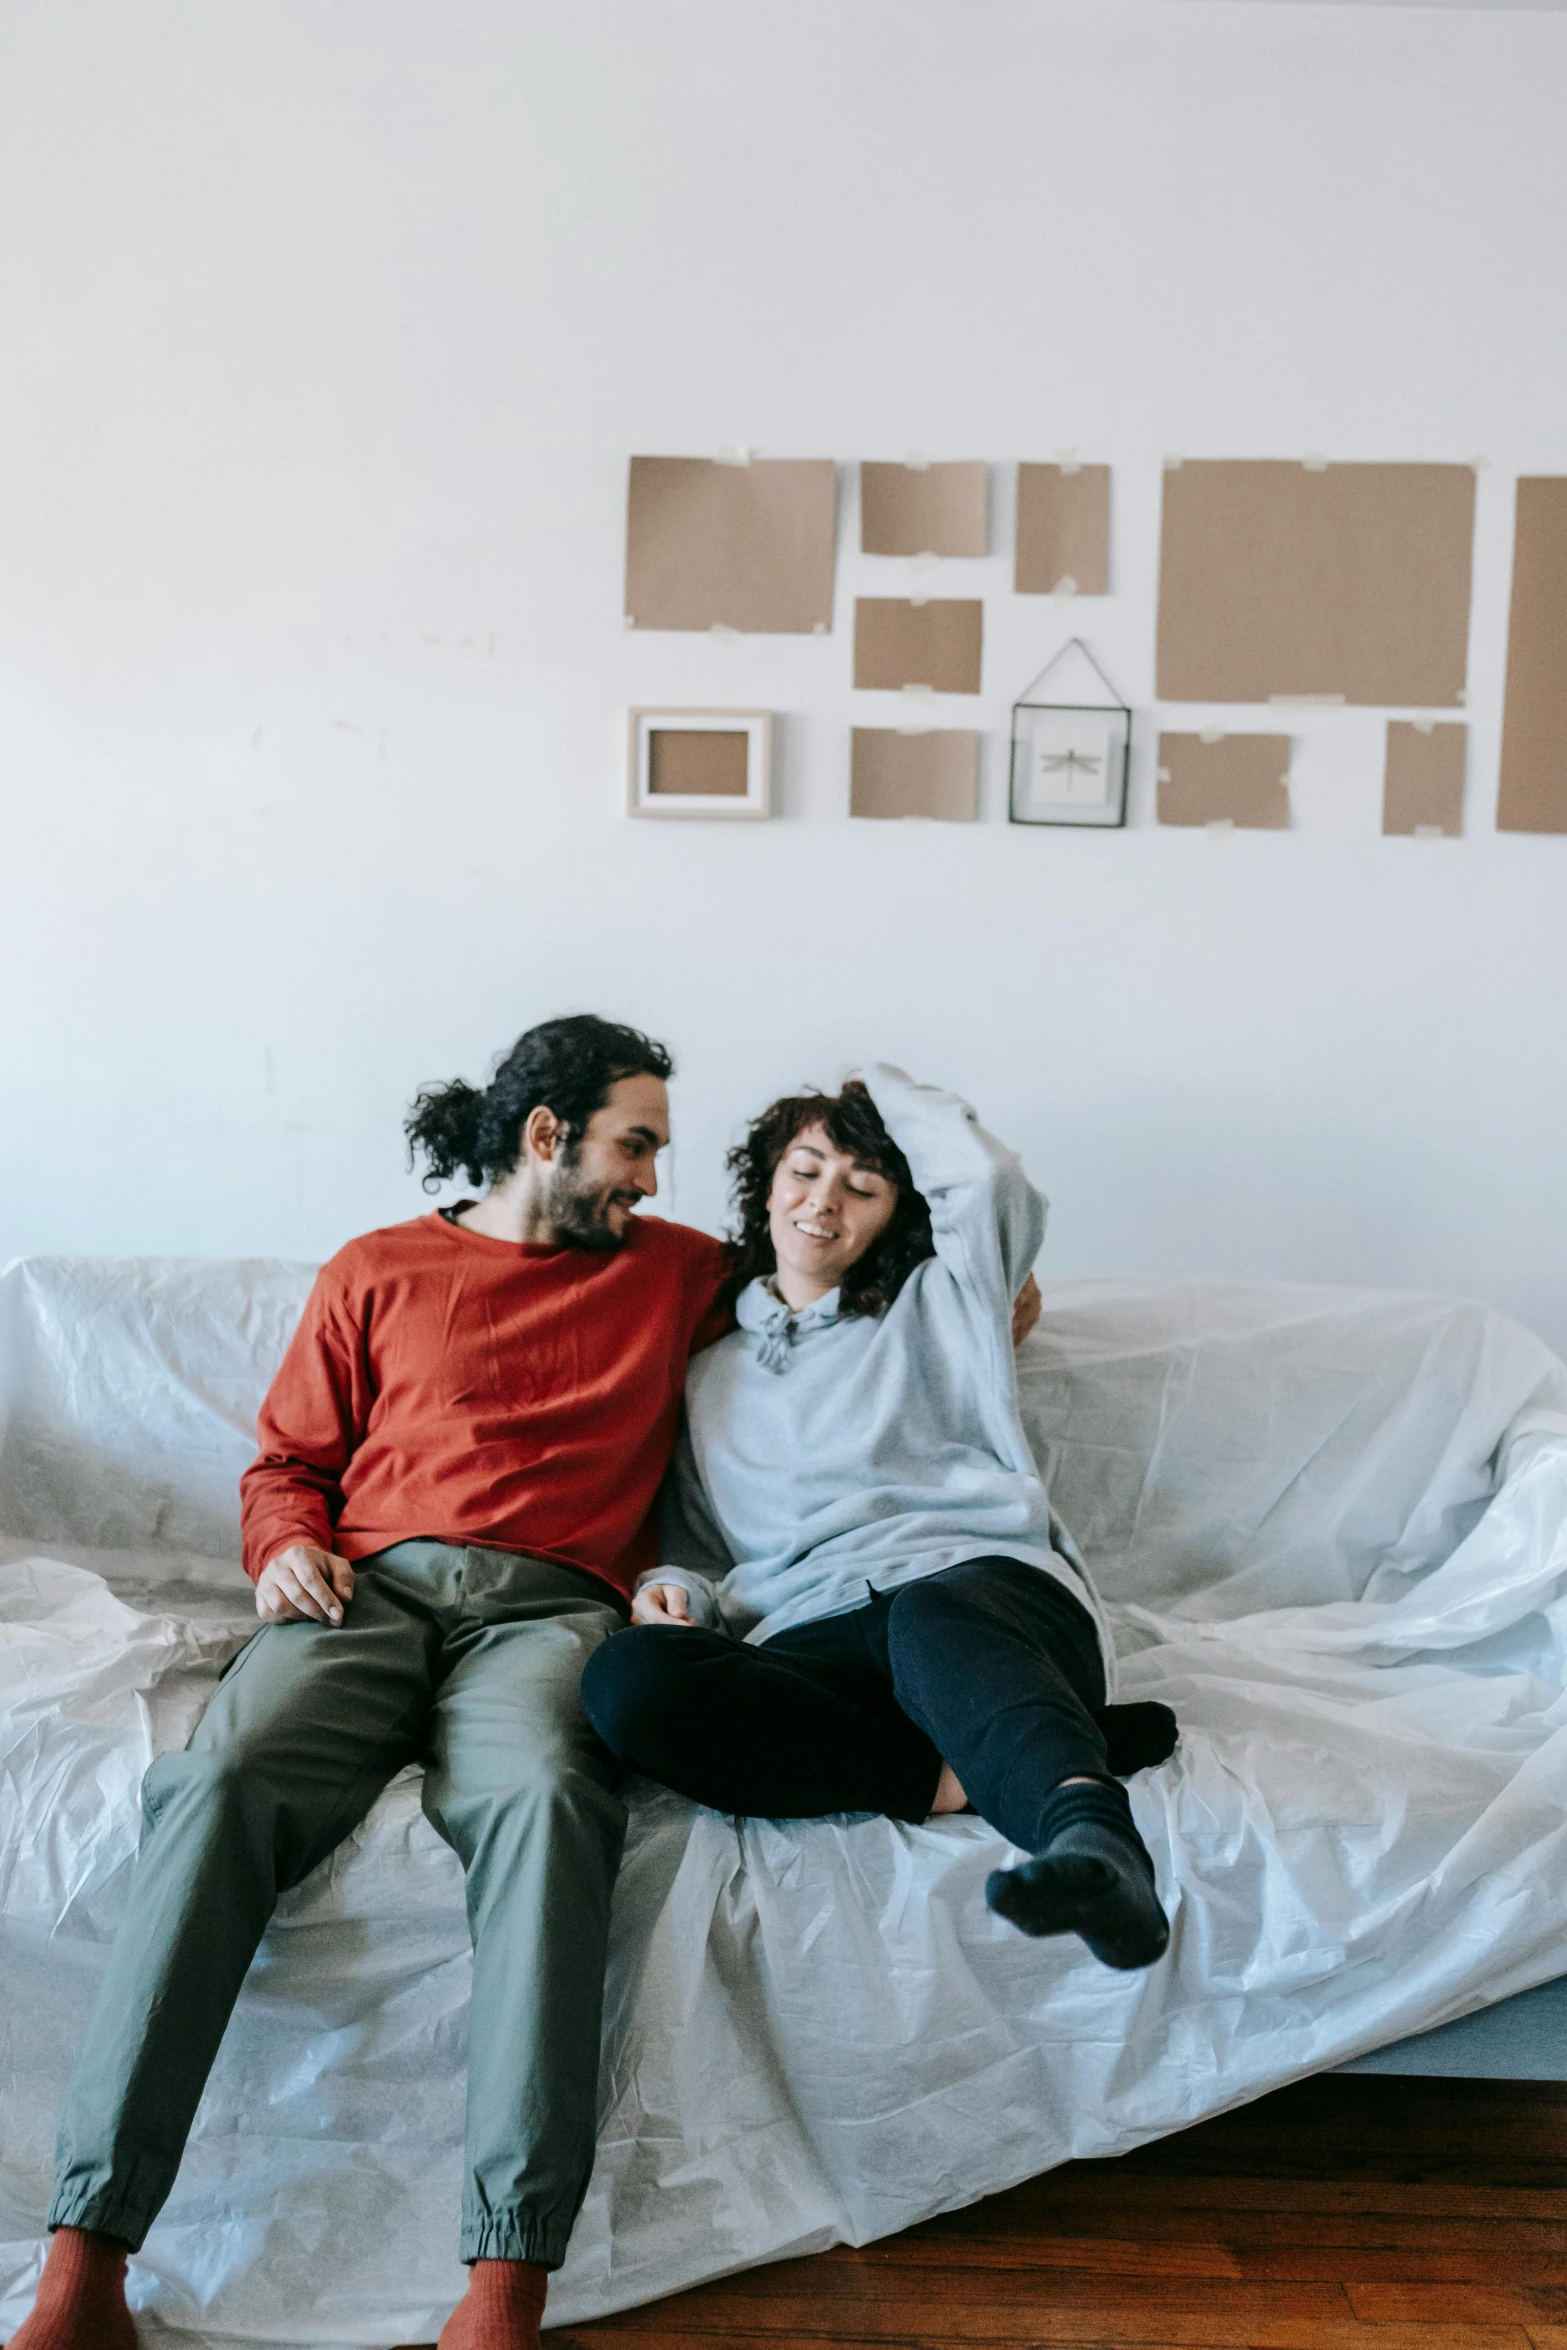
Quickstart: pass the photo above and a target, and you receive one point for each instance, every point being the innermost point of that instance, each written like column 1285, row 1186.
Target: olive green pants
column 467, row 1661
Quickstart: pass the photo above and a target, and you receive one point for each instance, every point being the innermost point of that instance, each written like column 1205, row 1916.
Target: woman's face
column 824, row 1211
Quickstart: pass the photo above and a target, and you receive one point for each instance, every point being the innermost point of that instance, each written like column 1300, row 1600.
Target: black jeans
column 992, row 1666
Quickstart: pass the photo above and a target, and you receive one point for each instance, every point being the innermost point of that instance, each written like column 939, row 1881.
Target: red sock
column 500, row 2310
column 81, row 2297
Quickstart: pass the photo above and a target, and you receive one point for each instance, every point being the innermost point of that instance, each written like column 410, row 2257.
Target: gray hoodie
column 825, row 1456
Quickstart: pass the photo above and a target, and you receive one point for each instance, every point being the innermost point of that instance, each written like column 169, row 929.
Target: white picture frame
column 732, row 782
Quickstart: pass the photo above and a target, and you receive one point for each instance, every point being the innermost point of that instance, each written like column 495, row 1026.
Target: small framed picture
column 1070, row 759
column 1069, row 764
column 699, row 763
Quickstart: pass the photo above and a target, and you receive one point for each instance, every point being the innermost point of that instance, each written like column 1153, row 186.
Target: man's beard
column 580, row 1214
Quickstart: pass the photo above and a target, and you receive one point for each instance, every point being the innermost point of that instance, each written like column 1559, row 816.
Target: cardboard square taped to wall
column 706, row 764
column 923, row 509
column 1423, row 781
column 748, row 547
column 1239, row 780
column 1301, row 581
column 1063, row 530
column 939, row 644
column 934, row 774
column 1533, row 795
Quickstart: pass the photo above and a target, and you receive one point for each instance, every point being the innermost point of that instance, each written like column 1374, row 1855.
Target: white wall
column 329, row 327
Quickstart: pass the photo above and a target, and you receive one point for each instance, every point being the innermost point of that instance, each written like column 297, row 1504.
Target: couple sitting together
column 853, row 1597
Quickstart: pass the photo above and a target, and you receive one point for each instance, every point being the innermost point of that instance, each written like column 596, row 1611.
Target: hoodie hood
column 776, row 1327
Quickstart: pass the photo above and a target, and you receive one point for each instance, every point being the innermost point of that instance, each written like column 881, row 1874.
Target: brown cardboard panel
column 1534, row 716
column 1424, row 781
column 697, row 760
column 938, row 644
column 1238, row 780
column 1349, row 580
column 935, row 774
column 748, row 547
column 1063, row 529
column 922, row 510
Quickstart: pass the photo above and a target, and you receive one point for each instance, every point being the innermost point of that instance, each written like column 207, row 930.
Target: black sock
column 1093, row 1877
column 1137, row 1736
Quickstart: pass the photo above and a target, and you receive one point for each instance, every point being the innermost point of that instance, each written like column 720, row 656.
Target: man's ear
column 541, row 1133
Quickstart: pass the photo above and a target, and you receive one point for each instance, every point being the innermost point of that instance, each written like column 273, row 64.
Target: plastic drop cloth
column 1332, row 1527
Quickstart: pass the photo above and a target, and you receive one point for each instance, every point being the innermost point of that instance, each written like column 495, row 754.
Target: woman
column 868, row 1603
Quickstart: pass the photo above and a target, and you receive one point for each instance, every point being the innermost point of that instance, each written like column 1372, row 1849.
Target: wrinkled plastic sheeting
column 1331, row 1527
column 128, row 1395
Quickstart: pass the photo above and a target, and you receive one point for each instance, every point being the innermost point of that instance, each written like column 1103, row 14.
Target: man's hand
column 662, row 1603
column 304, row 1584
column 1027, row 1307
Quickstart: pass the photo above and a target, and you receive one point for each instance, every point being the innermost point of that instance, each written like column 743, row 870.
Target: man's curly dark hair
column 853, row 1125
column 569, row 1065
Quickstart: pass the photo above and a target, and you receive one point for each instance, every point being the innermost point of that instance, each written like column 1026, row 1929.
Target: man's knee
column 545, row 1790
column 217, row 1780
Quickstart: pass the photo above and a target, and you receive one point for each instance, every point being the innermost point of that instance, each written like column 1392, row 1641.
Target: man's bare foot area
column 949, row 1793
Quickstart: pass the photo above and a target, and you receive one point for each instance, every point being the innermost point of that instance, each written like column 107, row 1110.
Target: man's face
column 598, row 1182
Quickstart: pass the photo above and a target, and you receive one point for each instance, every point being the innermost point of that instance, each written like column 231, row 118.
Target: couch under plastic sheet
column 1331, row 1527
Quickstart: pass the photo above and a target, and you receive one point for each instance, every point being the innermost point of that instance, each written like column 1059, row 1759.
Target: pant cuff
column 106, row 2214
column 514, row 2235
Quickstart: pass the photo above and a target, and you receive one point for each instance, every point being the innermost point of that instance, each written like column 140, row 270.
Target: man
column 453, row 1500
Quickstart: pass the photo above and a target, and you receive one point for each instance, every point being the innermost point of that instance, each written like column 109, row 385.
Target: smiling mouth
column 814, row 1231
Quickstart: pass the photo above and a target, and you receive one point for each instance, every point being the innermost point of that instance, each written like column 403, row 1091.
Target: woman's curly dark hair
column 853, row 1125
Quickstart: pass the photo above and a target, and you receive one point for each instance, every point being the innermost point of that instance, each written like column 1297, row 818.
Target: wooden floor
column 1359, row 2213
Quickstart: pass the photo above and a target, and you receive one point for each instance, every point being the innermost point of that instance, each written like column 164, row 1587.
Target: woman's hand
column 1027, row 1307
column 662, row 1603
column 304, row 1585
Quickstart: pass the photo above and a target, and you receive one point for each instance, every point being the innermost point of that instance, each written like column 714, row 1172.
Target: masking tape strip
column 1210, row 734
column 734, row 456
column 1069, row 461
column 916, row 461
column 724, row 634
column 1219, row 824
column 1430, row 832
column 1314, row 461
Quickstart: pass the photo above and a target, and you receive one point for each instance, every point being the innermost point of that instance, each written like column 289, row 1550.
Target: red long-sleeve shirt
column 491, row 1392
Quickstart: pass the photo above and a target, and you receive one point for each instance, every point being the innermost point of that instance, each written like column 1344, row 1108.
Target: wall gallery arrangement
column 1282, row 585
